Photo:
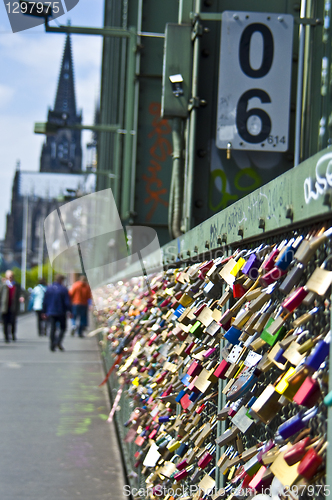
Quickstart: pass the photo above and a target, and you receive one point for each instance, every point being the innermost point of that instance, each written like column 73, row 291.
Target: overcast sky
column 29, row 69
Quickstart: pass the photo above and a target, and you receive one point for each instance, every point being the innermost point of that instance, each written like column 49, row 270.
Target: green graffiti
column 252, row 174
column 240, row 177
column 225, row 197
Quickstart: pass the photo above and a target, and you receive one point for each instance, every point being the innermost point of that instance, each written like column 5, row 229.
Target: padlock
column 286, row 474
column 222, row 369
column 295, row 299
column 232, row 335
column 285, row 258
column 208, row 482
column 267, row 405
column 308, row 247
column 268, row 263
column 228, row 436
column 311, row 461
column 238, row 290
column 251, row 267
column 178, row 476
column 295, row 424
column 304, row 318
column 274, row 330
column 292, row 279
column 207, row 456
column 168, row 468
column 319, row 354
column 297, row 451
column 242, row 385
column 320, row 280
column 309, row 392
column 272, row 276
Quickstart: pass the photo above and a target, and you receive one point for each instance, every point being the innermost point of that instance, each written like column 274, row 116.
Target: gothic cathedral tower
column 62, row 153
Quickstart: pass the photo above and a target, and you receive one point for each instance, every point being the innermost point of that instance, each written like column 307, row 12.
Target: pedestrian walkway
column 55, row 443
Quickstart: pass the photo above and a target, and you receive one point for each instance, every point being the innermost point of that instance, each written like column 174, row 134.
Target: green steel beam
column 52, row 128
column 301, row 194
column 129, row 119
column 81, row 30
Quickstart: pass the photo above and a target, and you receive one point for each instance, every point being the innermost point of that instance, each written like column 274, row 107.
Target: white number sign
column 254, row 81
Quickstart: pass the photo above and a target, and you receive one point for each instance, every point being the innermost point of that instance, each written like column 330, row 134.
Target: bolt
column 207, row 244
column 219, row 240
column 195, row 249
column 224, row 238
column 261, row 223
column 236, row 17
column 188, row 253
column 240, row 232
column 280, row 19
column 289, row 212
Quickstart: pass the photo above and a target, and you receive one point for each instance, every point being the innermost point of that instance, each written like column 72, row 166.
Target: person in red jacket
column 80, row 295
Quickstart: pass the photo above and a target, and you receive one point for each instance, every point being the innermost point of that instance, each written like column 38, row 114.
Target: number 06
column 242, row 116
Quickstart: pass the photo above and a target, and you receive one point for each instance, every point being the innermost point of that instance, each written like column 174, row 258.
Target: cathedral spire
column 65, row 97
column 63, row 152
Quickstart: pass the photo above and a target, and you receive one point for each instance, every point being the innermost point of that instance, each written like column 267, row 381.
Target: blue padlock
column 318, row 355
column 194, row 395
column 295, row 424
column 182, row 449
column 186, row 379
column 285, row 259
column 180, row 396
column 233, row 335
column 279, row 358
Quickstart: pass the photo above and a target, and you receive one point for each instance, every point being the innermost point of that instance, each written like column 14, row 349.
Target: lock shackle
column 326, row 261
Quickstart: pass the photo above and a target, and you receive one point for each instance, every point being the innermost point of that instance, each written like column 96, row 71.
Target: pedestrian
column 80, row 294
column 56, row 305
column 37, row 297
column 10, row 298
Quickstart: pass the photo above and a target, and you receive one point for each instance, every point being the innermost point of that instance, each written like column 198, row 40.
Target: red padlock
column 295, row 299
column 206, row 458
column 222, row 369
column 272, row 276
column 194, row 369
column 297, row 451
column 238, row 290
column 269, row 263
column 310, row 462
column 308, row 394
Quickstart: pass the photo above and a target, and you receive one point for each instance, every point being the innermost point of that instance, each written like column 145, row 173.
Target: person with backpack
column 37, row 297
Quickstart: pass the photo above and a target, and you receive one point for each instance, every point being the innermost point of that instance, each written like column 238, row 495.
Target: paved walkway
column 55, row 443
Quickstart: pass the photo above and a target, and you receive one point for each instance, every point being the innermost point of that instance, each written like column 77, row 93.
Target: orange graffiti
column 159, row 151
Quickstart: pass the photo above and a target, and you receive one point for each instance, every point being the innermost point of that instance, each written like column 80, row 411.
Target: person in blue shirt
column 56, row 305
column 37, row 297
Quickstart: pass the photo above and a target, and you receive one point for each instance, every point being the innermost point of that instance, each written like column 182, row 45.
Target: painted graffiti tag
column 314, row 188
column 159, row 152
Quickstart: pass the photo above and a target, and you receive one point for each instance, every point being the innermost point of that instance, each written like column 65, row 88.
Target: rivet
column 261, row 223
column 207, row 244
column 289, row 212
column 240, row 232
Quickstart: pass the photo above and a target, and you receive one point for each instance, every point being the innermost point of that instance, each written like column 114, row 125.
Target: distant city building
column 36, row 194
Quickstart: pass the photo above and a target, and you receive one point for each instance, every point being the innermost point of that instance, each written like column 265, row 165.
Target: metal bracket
column 198, row 30
column 194, row 102
column 308, row 21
